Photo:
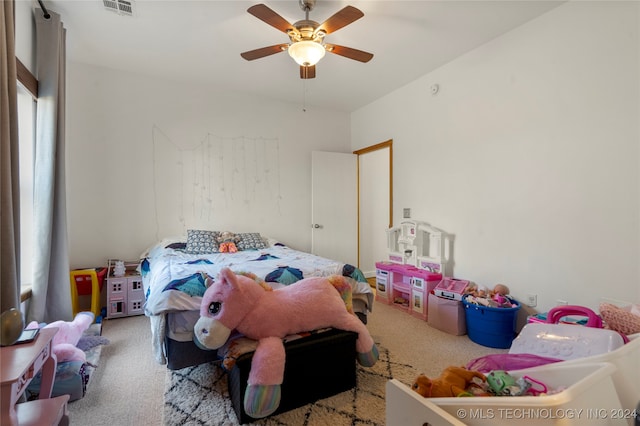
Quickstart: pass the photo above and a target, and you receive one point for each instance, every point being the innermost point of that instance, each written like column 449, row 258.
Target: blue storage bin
column 491, row 327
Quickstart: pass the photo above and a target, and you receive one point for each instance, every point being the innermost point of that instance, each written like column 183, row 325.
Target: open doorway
column 375, row 203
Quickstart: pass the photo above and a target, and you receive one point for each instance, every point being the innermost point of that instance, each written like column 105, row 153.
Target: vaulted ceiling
column 200, row 42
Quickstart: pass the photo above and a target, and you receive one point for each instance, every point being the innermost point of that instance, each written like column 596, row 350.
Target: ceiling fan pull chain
column 304, row 95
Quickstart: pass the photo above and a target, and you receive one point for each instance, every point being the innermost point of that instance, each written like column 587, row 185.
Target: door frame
column 382, row 145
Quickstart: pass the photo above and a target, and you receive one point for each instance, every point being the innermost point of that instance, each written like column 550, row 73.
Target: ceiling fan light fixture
column 306, row 52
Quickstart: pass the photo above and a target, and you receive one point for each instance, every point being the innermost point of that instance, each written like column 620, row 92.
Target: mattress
column 174, row 281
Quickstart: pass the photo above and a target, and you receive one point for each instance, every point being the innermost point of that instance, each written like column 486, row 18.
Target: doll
column 500, row 294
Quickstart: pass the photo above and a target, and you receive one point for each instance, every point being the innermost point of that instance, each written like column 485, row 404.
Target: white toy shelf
column 422, row 245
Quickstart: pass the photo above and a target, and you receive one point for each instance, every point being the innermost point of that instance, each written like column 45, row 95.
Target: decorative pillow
column 202, row 242
column 251, row 241
column 619, row 319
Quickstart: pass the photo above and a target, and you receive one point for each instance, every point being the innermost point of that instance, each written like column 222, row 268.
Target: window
column 26, row 135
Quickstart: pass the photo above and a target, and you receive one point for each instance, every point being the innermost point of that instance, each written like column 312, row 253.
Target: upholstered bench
column 317, row 366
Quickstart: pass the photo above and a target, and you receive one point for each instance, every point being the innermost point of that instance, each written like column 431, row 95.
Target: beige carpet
column 412, row 341
column 199, row 396
column 128, row 386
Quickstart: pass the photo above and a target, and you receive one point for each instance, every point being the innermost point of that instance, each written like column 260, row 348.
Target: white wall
column 25, row 34
column 529, row 155
column 130, row 136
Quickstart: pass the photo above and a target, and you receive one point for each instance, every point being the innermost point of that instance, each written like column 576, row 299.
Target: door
column 334, row 210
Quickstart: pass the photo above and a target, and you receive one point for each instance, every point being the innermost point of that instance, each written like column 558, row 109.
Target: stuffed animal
column 227, row 241
column 452, row 382
column 237, row 302
column 501, row 383
column 64, row 342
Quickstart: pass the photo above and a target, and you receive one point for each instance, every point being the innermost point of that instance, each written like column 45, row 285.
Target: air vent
column 121, row 7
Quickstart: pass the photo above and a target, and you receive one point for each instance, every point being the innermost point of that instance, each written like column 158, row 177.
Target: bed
column 173, row 274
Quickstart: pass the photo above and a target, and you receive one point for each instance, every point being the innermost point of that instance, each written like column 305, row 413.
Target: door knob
column 317, row 226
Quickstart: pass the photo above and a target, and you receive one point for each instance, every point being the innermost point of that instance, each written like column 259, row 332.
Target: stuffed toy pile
column 238, row 302
column 460, row 381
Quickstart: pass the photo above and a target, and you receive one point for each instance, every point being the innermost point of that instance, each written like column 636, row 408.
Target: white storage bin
column 406, row 407
column 589, row 397
column 626, row 377
column 565, row 341
column 579, row 345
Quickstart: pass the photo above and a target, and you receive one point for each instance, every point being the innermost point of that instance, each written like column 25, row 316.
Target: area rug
column 199, row 396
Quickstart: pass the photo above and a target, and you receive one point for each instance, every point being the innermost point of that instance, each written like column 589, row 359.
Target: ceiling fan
column 307, row 44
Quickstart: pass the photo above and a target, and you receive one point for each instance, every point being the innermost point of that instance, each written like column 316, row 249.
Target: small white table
column 19, row 365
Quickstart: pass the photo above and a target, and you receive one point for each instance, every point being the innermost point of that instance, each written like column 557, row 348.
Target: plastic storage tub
column 626, row 378
column 588, row 397
column 565, row 341
column 492, row 327
column 587, row 345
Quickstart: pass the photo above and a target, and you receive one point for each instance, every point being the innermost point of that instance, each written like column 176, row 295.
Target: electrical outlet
column 561, row 302
column 532, row 300
column 406, row 213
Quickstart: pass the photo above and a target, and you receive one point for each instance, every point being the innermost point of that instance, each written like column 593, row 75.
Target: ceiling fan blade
column 341, row 19
column 264, row 51
column 264, row 13
column 348, row 52
column 307, row 72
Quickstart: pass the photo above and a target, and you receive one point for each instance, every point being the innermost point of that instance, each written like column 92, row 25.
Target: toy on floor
column 501, row 383
column 64, row 342
column 452, row 382
column 237, row 302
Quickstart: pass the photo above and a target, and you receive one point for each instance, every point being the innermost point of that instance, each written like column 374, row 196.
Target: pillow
column 202, row 242
column 622, row 320
column 250, row 241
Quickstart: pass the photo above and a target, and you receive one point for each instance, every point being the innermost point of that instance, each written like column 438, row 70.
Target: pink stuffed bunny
column 64, row 342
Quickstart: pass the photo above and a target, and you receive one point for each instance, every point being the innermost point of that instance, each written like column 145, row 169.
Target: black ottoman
column 317, row 366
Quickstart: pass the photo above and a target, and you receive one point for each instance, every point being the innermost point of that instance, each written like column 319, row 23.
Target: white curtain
column 51, row 299
column 10, row 177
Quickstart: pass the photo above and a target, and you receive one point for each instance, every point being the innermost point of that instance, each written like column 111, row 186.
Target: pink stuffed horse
column 238, row 302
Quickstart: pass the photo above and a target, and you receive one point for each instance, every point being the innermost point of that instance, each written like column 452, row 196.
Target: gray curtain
column 10, row 177
column 51, row 299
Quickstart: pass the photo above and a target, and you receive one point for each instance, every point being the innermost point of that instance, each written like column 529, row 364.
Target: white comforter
column 171, row 282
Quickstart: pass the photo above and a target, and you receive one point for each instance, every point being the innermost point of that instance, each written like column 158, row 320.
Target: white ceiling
column 200, row 42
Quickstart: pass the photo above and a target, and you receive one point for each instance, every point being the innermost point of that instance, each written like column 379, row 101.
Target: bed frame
column 186, row 354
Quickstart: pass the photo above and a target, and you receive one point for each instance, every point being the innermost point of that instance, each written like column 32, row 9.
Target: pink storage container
column 451, row 288
column 447, row 315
